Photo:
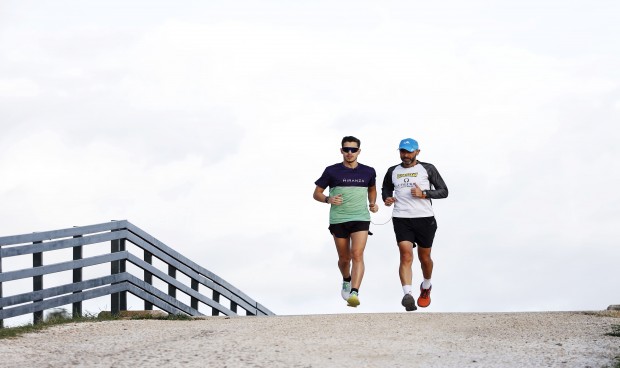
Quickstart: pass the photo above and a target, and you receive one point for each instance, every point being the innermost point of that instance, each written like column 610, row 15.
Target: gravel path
column 546, row 339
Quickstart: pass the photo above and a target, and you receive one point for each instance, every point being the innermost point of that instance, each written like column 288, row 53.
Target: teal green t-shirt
column 354, row 205
column 353, row 184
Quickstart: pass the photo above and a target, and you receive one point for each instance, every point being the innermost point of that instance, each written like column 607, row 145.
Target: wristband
column 327, row 199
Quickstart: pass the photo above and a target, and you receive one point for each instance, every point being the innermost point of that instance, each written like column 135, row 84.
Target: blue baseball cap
column 408, row 144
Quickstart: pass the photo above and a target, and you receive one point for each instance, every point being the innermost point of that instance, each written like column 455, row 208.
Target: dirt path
column 550, row 339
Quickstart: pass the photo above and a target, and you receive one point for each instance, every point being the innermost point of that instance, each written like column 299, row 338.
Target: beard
column 408, row 161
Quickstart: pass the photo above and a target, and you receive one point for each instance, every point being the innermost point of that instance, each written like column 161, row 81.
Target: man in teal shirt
column 352, row 192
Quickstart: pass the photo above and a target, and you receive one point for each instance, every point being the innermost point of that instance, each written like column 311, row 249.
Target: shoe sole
column 423, row 306
column 409, row 303
column 353, row 302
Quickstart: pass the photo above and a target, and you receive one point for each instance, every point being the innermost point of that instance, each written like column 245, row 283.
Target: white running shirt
column 404, row 180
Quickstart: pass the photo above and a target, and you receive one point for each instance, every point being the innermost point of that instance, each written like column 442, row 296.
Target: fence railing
column 204, row 287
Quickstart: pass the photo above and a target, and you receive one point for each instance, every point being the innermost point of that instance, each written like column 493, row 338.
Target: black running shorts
column 344, row 229
column 419, row 230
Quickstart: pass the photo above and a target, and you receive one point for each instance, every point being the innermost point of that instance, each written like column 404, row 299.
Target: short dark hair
column 350, row 138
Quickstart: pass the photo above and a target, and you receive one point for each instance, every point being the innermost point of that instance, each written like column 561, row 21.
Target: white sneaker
column 353, row 300
column 346, row 290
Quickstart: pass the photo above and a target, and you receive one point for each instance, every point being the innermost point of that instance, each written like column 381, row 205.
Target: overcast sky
column 207, row 123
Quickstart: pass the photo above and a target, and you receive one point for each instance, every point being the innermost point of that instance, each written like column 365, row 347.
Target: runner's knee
column 406, row 258
column 357, row 256
column 344, row 258
column 426, row 259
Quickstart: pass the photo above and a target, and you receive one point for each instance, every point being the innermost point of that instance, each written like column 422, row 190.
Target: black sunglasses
column 350, row 149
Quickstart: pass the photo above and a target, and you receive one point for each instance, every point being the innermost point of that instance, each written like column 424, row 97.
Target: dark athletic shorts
column 420, row 230
column 344, row 229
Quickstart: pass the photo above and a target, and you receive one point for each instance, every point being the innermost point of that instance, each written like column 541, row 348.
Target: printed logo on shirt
column 353, row 180
column 405, row 184
column 414, row 175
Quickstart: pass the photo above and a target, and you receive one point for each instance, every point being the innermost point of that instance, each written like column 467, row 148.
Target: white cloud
column 18, row 87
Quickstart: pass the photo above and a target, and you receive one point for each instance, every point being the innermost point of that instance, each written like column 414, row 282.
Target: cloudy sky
column 207, row 123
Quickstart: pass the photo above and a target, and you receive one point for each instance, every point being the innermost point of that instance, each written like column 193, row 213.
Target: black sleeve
column 388, row 186
column 438, row 186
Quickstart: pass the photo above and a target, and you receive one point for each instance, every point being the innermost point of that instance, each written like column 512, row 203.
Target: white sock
column 426, row 284
column 407, row 289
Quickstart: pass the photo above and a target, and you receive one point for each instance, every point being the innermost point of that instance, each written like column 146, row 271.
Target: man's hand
column 336, row 200
column 373, row 207
column 417, row 192
column 389, row 201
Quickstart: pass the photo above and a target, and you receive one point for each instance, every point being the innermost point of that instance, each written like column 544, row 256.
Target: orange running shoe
column 425, row 297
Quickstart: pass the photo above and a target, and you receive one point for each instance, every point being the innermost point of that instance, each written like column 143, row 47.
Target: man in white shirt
column 410, row 186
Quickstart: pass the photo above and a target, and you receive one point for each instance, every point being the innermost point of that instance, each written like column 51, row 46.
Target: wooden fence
column 203, row 287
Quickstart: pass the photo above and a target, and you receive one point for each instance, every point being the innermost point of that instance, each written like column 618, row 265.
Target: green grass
column 170, row 317
column 59, row 319
column 12, row 332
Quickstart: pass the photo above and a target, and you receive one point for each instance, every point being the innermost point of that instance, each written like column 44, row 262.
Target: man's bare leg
column 406, row 274
column 406, row 260
column 358, row 240
column 344, row 256
column 426, row 263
